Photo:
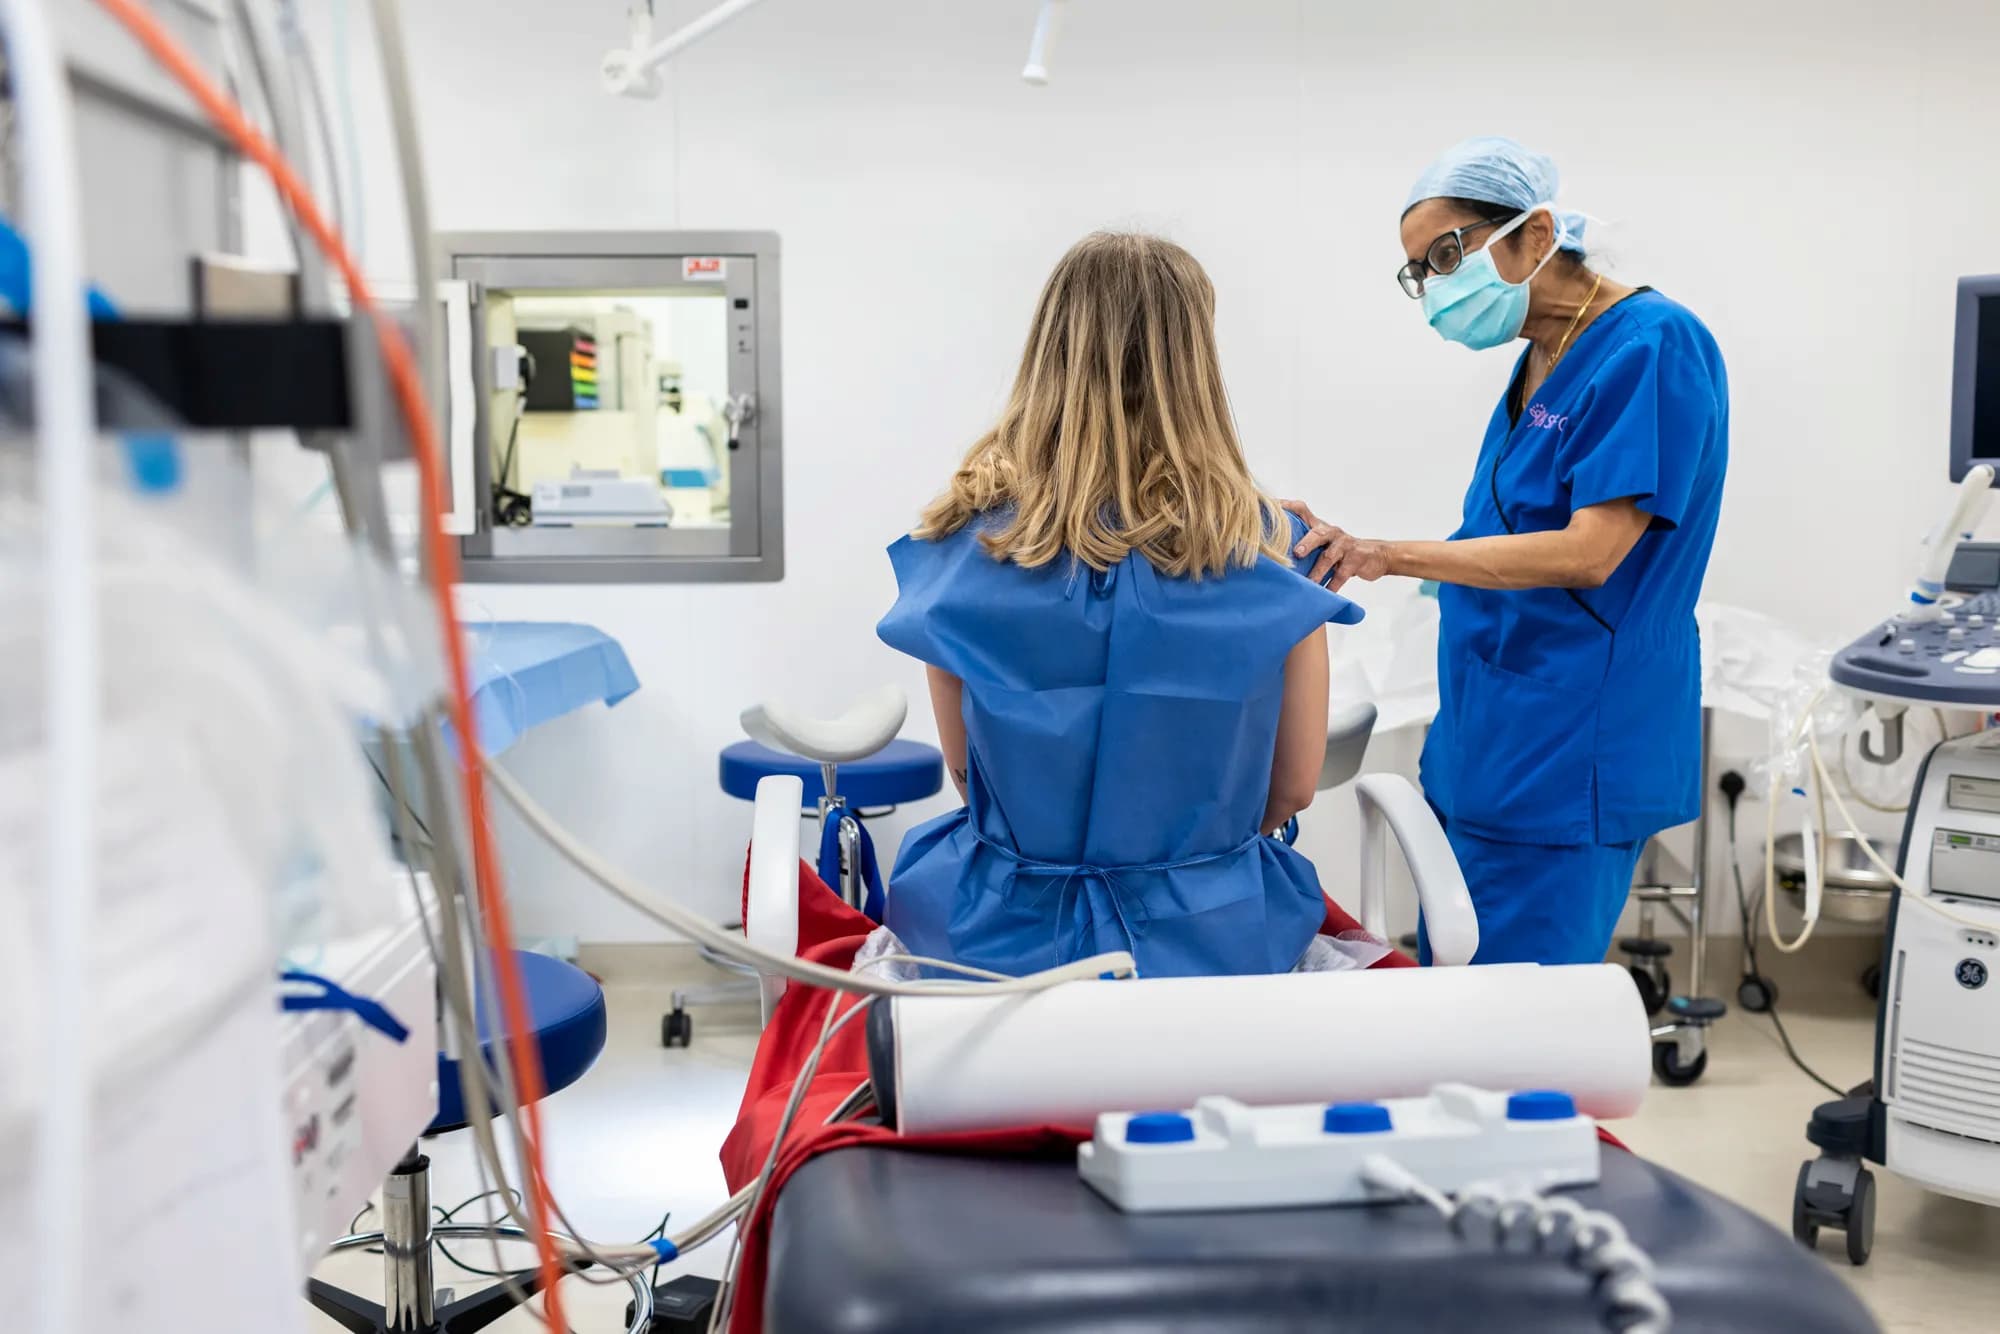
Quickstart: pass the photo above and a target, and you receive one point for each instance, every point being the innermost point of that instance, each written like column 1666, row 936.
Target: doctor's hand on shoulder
column 1343, row 556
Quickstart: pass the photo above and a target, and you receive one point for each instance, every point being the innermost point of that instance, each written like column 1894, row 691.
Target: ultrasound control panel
column 1953, row 660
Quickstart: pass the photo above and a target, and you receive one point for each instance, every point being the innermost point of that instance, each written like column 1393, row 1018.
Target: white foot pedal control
column 1224, row 1155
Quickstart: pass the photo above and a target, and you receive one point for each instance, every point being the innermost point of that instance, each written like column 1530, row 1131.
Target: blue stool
column 900, row 772
column 851, row 768
column 566, row 1013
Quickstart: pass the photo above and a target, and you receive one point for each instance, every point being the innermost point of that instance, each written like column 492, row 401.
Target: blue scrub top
column 1575, row 717
column 1120, row 729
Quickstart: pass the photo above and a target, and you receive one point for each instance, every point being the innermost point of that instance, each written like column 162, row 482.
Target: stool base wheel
column 466, row 1315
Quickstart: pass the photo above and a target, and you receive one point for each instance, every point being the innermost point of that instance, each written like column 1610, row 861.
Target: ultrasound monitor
column 1975, row 369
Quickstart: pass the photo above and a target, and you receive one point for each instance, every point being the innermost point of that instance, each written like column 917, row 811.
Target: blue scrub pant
column 1538, row 903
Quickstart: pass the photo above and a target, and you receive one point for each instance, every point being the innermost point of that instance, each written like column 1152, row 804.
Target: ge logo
column 1971, row 974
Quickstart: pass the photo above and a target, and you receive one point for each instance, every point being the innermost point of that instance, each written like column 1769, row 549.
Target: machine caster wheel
column 1757, row 994
column 1407, row 942
column 1871, row 981
column 1844, row 1197
column 1654, row 986
column 1667, row 1065
column 1804, row 1230
column 1861, row 1219
column 676, row 1029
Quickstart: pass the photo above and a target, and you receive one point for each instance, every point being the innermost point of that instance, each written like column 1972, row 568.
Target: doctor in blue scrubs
column 1569, row 712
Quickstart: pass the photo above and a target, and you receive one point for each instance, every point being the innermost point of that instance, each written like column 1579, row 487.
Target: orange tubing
column 407, row 383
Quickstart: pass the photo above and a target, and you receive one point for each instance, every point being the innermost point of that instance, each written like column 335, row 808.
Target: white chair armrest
column 1391, row 801
column 771, row 906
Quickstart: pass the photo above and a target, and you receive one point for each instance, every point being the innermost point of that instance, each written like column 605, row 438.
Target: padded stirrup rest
column 870, row 724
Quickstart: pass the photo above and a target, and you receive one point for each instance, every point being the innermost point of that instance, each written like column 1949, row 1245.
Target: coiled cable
column 1590, row 1241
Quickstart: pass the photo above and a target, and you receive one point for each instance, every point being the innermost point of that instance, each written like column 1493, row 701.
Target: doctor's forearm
column 1524, row 560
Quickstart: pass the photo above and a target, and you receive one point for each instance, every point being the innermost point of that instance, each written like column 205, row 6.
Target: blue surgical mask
column 1474, row 305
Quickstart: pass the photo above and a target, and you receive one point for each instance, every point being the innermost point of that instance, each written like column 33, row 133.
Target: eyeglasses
column 1446, row 253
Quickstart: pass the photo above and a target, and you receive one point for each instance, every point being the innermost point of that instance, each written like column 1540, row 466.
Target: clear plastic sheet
column 1805, row 707
column 252, row 655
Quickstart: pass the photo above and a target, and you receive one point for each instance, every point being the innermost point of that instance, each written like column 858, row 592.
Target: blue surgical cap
column 1494, row 170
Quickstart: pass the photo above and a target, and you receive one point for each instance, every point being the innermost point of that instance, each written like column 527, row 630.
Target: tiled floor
column 1740, row 1132
column 638, row 1136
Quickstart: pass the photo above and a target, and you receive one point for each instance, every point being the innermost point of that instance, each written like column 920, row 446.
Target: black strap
column 228, row 375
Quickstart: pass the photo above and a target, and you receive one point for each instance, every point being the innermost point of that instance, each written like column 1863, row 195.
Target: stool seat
column 900, row 772
column 566, row 1012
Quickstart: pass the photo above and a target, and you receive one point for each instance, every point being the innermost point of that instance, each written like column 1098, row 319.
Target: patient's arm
column 947, row 702
column 1301, row 747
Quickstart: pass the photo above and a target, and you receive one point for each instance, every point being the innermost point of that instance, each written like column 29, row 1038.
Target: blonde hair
column 1117, row 435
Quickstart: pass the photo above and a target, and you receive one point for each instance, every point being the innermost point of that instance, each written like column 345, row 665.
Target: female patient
column 1130, row 681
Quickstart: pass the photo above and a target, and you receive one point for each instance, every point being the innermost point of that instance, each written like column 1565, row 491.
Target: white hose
column 1772, row 797
column 733, row 946
column 1820, row 787
column 66, row 445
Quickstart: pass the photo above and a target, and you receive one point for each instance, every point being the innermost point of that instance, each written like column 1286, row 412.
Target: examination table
column 863, row 1232
column 876, row 1240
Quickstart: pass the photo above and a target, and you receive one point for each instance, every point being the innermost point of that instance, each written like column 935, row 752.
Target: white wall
column 1810, row 177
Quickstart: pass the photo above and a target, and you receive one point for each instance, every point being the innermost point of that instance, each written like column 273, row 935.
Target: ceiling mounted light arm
column 633, row 70
column 1047, row 24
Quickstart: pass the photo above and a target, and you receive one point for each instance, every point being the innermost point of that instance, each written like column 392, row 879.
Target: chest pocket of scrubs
column 1526, row 755
column 1500, row 508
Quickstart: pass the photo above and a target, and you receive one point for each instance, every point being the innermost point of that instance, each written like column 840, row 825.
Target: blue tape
column 153, row 462
column 332, row 996
column 666, row 1250
column 16, row 277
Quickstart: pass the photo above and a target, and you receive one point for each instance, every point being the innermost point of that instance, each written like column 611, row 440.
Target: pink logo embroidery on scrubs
column 1542, row 419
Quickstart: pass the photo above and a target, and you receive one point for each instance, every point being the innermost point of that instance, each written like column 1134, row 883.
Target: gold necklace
column 1574, row 320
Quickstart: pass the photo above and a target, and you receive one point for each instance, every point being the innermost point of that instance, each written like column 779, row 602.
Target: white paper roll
column 1063, row 1056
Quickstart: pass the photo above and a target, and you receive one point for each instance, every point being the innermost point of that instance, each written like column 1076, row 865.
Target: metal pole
column 408, row 1292
column 851, row 887
column 1698, row 908
column 673, row 43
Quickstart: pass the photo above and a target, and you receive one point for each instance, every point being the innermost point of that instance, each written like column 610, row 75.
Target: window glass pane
column 616, row 418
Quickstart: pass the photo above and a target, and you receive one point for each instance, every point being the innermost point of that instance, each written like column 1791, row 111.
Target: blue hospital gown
column 1120, row 729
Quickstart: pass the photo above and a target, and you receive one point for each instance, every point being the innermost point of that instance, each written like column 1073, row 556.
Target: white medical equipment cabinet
column 1932, row 1111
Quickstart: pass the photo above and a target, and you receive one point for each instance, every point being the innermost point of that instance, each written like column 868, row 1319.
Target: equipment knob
column 1955, row 634
column 1159, row 1128
column 1356, row 1118
column 1540, row 1105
